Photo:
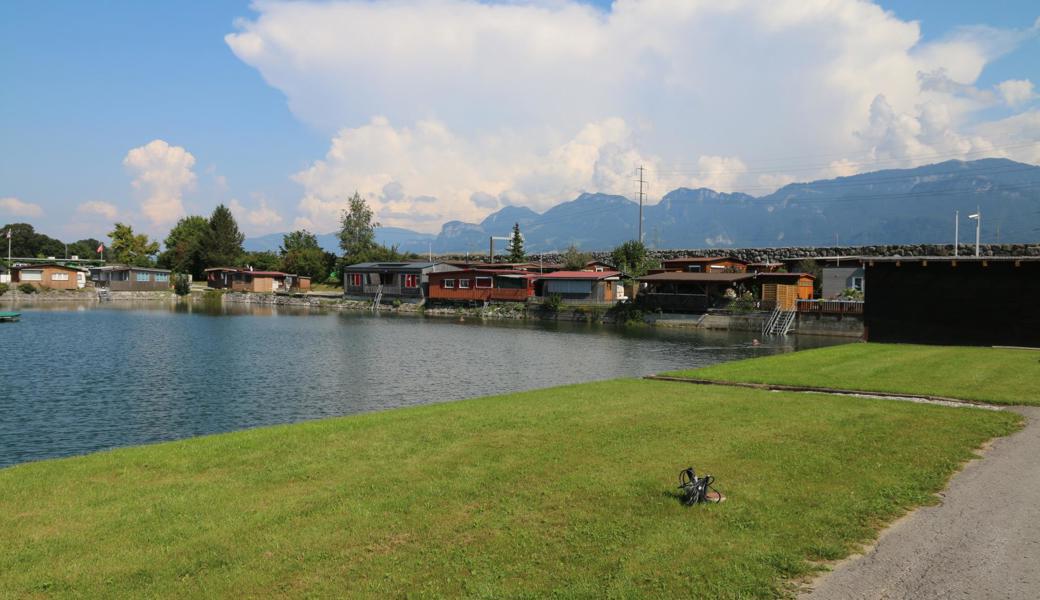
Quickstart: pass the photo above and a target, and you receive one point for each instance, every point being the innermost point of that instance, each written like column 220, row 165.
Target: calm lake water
column 76, row 379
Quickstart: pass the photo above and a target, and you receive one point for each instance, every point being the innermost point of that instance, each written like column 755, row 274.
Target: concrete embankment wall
column 833, row 325
column 839, row 325
column 83, row 295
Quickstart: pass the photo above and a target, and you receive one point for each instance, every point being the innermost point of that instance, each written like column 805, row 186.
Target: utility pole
column 641, row 182
column 957, row 231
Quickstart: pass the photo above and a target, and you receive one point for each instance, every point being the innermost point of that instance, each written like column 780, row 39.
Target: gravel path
column 983, row 541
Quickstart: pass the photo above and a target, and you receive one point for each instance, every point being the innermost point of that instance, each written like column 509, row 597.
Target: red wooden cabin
column 479, row 285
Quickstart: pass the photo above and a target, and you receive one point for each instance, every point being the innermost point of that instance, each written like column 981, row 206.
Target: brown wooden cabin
column 598, row 266
column 123, row 278
column 691, row 292
column 50, row 276
column 245, row 280
column 784, row 290
column 704, row 264
column 584, row 287
column 482, row 285
column 765, row 267
column 699, row 292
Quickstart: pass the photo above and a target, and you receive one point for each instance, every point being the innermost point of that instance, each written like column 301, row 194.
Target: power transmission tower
column 641, row 196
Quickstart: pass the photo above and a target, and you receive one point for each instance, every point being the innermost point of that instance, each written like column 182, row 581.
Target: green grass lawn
column 999, row 376
column 564, row 492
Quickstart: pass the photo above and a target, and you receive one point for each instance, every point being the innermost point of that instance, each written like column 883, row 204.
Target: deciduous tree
column 183, row 252
column 357, row 235
column 128, row 248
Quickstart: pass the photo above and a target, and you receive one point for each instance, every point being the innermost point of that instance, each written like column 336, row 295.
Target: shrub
column 397, row 303
column 3, row 288
column 27, row 288
column 553, row 303
column 626, row 313
column 851, row 294
column 181, row 285
column 744, row 303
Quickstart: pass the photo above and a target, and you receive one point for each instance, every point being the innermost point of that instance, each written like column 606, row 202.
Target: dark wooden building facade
column 945, row 300
column 480, row 285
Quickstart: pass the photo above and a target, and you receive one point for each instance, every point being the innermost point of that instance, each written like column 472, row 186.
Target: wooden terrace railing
column 831, row 307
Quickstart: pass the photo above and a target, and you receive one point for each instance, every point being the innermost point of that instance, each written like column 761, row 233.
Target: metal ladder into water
column 779, row 322
column 378, row 298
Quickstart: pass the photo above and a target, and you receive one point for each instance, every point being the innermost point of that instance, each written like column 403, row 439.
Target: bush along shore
column 623, row 314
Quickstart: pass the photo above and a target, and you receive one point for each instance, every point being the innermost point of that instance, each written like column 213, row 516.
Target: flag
column 100, row 248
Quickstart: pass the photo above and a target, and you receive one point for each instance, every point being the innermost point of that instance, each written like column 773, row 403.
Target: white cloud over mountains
column 480, row 105
column 162, row 173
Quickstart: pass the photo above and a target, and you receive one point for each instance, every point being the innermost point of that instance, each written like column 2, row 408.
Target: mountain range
column 898, row 206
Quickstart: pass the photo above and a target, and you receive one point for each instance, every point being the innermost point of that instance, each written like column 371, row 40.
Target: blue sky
column 284, row 128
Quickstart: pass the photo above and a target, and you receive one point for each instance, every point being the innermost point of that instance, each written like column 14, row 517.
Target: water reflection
column 75, row 379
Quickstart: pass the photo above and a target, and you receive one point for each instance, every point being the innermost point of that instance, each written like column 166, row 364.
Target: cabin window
column 483, row 282
column 355, row 279
column 34, row 275
column 693, row 269
column 162, row 277
column 448, row 284
column 59, row 276
column 142, row 276
column 464, row 284
column 857, row 284
column 411, row 280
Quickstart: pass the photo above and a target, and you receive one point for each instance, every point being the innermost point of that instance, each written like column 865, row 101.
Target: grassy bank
column 565, row 492
column 999, row 376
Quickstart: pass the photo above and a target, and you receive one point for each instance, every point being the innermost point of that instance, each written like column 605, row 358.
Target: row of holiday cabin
column 122, row 278
column 481, row 282
column 55, row 276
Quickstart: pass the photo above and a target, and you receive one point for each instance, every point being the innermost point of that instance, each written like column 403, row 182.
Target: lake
column 77, row 379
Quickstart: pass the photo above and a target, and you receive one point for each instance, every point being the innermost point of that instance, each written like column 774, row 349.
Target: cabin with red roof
column 584, row 287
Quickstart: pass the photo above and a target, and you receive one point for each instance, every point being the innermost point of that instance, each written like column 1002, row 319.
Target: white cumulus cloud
column 1016, row 92
column 18, row 208
column 479, row 105
column 162, row 173
column 262, row 218
column 99, row 208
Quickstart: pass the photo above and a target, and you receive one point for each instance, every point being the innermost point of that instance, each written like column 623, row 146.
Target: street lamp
column 977, row 217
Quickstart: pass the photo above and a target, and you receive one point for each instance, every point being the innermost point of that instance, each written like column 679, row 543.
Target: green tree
column 84, row 248
column 27, row 243
column 633, row 259
column 260, row 261
column 516, row 245
column 357, row 235
column 183, row 253
column 574, row 259
column 301, row 254
column 128, row 248
column 222, row 242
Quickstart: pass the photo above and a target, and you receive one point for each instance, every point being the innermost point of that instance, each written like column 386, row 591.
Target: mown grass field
column 565, row 492
column 994, row 375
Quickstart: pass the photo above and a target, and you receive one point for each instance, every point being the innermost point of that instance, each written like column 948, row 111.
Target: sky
column 438, row 110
